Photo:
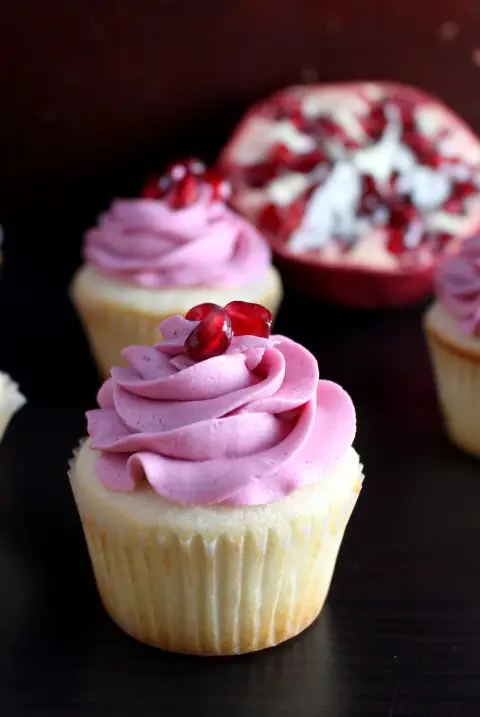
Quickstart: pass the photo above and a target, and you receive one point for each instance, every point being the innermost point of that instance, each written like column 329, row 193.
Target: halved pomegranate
column 367, row 180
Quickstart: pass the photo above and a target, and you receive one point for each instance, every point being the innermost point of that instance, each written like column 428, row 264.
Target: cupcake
column 216, row 484
column 153, row 257
column 452, row 327
column 11, row 401
column 361, row 188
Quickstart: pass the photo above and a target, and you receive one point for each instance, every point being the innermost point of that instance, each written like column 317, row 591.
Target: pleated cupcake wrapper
column 11, row 401
column 219, row 595
column 110, row 328
column 458, row 385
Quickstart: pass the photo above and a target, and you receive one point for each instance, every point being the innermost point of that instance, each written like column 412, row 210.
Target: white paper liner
column 219, row 594
column 458, row 386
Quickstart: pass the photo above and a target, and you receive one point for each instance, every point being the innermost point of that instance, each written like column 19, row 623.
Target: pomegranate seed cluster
column 182, row 183
column 217, row 326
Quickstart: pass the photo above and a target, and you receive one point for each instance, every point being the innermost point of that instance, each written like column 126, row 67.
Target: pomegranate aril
column 281, row 155
column 269, row 220
column 179, row 169
column 453, row 205
column 395, row 241
column 375, row 122
column 423, row 149
column 258, row 175
column 441, row 240
column 211, row 337
column 199, row 312
column 249, row 319
column 156, row 187
column 307, row 162
column 184, row 193
column 370, row 198
column 462, row 190
column 220, row 187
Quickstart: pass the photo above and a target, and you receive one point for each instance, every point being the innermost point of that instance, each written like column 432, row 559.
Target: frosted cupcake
column 216, row 485
column 452, row 326
column 360, row 187
column 11, row 401
column 177, row 246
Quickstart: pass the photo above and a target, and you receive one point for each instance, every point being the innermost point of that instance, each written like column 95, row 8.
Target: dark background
column 93, row 96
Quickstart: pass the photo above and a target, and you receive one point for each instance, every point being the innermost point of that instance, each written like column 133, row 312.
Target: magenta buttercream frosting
column 458, row 286
column 241, row 429
column 145, row 242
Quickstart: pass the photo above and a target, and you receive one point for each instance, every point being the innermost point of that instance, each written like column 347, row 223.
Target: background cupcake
column 360, row 187
column 214, row 494
column 177, row 246
column 452, row 326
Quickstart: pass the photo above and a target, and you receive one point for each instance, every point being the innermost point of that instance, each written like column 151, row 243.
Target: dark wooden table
column 400, row 634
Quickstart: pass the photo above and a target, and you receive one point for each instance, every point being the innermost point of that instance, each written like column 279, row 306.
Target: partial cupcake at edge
column 361, row 188
column 452, row 326
column 176, row 246
column 216, row 484
column 11, row 401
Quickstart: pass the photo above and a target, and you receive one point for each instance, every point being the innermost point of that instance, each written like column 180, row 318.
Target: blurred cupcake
column 359, row 187
column 452, row 327
column 11, row 401
column 216, row 485
column 177, row 246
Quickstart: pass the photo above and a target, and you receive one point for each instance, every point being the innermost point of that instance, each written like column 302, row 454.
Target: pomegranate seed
column 292, row 217
column 330, row 128
column 199, row 312
column 281, row 155
column 269, row 219
column 178, row 170
column 221, row 187
column 395, row 242
column 370, row 197
column 453, row 205
column 375, row 122
column 307, row 162
column 441, row 240
column 462, row 190
column 184, row 192
column 423, row 149
column 249, row 319
column 211, row 337
column 258, row 175
column 402, row 214
column 392, row 182
column 156, row 187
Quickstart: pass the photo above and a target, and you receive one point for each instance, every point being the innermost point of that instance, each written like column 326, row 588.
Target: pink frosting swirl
column 145, row 242
column 245, row 428
column 458, row 285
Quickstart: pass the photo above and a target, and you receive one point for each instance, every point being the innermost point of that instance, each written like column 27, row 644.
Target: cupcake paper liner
column 214, row 592
column 457, row 375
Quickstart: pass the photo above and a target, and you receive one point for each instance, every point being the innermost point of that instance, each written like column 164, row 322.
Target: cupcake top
column 458, row 286
column 220, row 412
column 179, row 233
column 374, row 175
